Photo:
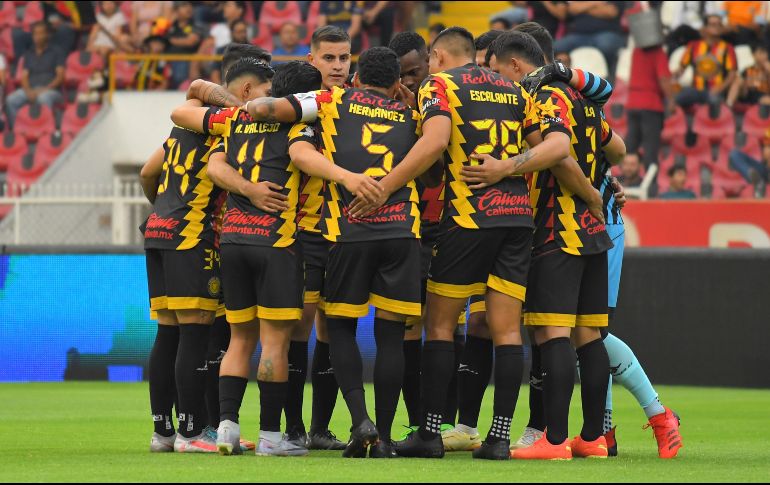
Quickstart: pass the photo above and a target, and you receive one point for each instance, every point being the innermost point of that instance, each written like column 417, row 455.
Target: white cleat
column 281, row 448
column 229, row 438
column 162, row 444
column 528, row 438
column 203, row 443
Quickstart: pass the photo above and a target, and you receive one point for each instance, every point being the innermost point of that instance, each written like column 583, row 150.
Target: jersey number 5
column 387, row 156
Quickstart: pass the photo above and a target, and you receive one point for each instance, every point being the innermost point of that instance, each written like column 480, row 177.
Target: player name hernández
column 253, row 128
column 370, row 112
column 492, row 97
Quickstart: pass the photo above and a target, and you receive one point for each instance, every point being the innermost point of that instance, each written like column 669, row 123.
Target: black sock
column 594, row 368
column 411, row 385
column 296, row 394
column 536, row 405
column 161, row 376
column 450, row 411
column 324, row 388
column 231, row 391
column 473, row 376
column 272, row 396
column 348, row 367
column 218, row 342
column 438, row 361
column 388, row 372
column 558, row 364
column 191, row 374
column 509, row 367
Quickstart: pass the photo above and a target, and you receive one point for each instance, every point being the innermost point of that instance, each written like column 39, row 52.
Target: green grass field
column 93, row 432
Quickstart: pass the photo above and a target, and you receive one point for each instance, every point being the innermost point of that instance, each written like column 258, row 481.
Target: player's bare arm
column 424, row 153
column 264, row 195
column 615, row 149
column 305, row 156
column 190, row 115
column 149, row 176
column 212, row 94
column 273, row 110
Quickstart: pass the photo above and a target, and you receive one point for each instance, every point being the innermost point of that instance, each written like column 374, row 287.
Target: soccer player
column 330, row 54
column 466, row 111
column 568, row 276
column 482, row 46
column 253, row 162
column 375, row 259
column 183, row 276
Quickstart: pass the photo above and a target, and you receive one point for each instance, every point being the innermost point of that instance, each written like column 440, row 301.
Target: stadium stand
column 34, row 120
column 716, row 123
column 274, row 14
column 80, row 66
column 12, row 149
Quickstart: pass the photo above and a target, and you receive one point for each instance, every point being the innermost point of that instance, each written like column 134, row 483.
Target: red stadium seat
column 23, row 173
column 33, row 12
column 756, row 122
column 692, row 157
column 714, row 122
column 311, row 23
column 34, row 121
column 728, row 181
column 125, row 72
column 49, row 147
column 6, row 43
column 275, row 14
column 674, row 126
column 80, row 66
column 264, row 38
column 617, row 117
column 77, row 116
column 12, row 147
column 8, row 17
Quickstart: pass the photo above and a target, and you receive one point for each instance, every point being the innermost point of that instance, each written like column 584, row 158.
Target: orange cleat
column 666, row 429
column 612, row 443
column 542, row 449
column 589, row 449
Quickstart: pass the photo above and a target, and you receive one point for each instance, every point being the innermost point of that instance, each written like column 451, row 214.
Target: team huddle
column 459, row 188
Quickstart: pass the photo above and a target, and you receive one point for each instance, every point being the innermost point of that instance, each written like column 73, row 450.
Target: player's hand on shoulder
column 267, row 196
column 488, row 172
column 620, row 193
column 545, row 75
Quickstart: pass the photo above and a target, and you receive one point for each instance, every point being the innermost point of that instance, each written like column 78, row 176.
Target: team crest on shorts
column 214, row 286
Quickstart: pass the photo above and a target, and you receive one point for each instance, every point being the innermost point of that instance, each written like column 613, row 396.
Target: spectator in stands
column 346, row 15
column 677, row 176
column 564, row 58
column 756, row 172
column 650, row 91
column 143, row 14
column 63, row 34
column 631, row 170
column 221, row 32
column 380, row 15
column 289, row 42
column 595, row 24
column 43, row 73
column 499, row 23
column 239, row 33
column 753, row 85
column 184, row 38
column 714, row 63
column 109, row 32
column 744, row 21
column 433, row 32
column 153, row 75
column 688, row 21
column 549, row 14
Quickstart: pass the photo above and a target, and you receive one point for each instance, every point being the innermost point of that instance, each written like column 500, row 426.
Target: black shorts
column 183, row 280
column 262, row 282
column 467, row 261
column 315, row 251
column 428, row 237
column 383, row 273
column 566, row 290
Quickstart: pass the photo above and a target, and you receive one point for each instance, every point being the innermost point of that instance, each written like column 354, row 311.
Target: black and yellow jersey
column 490, row 115
column 366, row 132
column 259, row 152
column 187, row 200
column 560, row 215
column 311, row 198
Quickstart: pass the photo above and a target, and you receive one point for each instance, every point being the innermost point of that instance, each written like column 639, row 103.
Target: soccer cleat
column 542, row 449
column 589, row 449
column 382, row 449
column 362, row 436
column 456, row 440
column 203, row 443
column 527, row 439
column 325, row 440
column 281, row 448
column 415, row 447
column 162, row 444
column 612, row 443
column 409, row 430
column 229, row 438
column 299, row 437
column 666, row 429
column 493, row 451
column 247, row 445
